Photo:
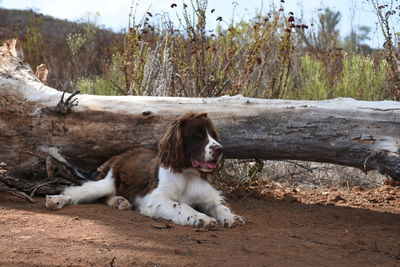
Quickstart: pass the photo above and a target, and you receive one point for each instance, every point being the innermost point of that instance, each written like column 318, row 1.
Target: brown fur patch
column 135, row 172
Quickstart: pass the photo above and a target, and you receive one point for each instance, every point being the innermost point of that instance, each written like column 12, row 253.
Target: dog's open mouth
column 205, row 166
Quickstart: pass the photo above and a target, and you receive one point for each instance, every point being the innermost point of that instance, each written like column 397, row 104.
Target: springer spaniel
column 171, row 184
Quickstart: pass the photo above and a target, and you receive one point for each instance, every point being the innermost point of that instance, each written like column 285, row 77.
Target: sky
column 114, row 13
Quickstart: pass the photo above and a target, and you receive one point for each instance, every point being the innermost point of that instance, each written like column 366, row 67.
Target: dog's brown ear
column 170, row 148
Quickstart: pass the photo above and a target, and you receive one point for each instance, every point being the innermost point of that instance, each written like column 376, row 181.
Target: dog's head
column 191, row 142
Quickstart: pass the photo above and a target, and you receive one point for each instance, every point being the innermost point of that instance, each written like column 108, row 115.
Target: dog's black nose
column 217, row 149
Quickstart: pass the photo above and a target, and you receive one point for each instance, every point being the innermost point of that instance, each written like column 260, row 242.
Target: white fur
column 88, row 192
column 177, row 194
column 208, row 155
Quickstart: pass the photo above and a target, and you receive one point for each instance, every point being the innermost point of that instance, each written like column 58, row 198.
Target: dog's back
column 135, row 172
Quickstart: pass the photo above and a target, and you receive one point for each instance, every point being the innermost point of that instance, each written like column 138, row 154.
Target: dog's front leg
column 178, row 212
column 211, row 201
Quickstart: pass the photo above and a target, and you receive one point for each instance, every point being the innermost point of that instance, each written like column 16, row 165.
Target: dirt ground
column 286, row 227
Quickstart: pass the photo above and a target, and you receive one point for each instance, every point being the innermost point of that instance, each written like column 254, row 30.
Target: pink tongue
column 210, row 165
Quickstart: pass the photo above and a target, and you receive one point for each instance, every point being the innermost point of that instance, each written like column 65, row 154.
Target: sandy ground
column 285, row 229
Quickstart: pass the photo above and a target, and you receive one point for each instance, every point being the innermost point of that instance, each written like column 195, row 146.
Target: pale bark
column 342, row 131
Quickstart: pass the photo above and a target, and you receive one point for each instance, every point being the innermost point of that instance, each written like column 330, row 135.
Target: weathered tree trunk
column 33, row 121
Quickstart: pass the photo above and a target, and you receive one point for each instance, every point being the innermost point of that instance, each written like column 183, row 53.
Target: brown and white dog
column 171, row 184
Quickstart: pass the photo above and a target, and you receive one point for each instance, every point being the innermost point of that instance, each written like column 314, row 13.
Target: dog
column 170, row 184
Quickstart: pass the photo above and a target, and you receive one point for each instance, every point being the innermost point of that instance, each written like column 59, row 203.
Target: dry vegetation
column 273, row 55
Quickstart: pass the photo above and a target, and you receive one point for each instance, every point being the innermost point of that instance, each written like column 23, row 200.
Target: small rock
column 164, row 226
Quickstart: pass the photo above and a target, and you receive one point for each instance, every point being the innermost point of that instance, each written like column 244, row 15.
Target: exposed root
column 22, row 187
column 16, row 192
column 36, row 187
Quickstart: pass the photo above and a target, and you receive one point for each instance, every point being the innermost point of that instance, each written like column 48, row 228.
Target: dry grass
column 272, row 55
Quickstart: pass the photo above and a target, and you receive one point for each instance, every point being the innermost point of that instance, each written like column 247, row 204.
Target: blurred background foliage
column 272, row 55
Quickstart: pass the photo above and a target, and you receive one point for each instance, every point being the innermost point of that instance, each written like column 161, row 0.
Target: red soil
column 331, row 227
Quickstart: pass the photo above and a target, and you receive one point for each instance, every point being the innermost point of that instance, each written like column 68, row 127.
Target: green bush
column 361, row 79
column 313, row 81
column 110, row 83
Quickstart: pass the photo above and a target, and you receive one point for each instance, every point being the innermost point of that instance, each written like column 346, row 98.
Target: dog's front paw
column 204, row 221
column 56, row 202
column 228, row 219
column 231, row 220
column 239, row 220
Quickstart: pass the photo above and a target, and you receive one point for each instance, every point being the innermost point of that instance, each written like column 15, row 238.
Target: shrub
column 313, row 80
column 361, row 80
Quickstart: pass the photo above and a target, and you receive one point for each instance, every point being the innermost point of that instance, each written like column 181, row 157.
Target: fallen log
column 88, row 129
